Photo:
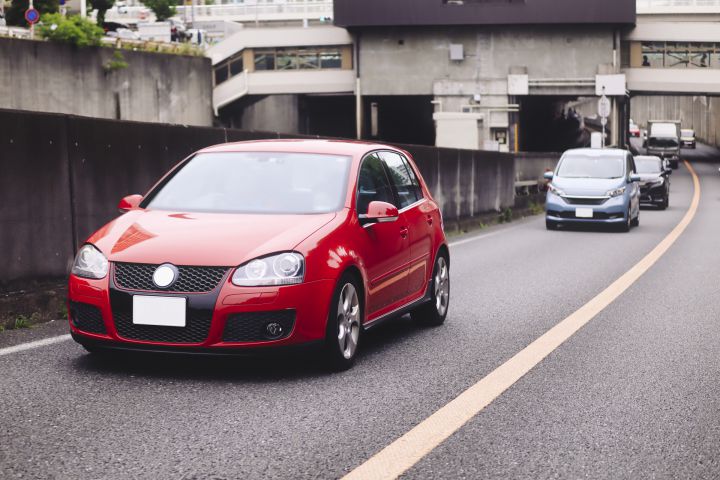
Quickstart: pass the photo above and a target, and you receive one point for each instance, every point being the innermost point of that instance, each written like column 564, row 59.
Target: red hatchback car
column 265, row 244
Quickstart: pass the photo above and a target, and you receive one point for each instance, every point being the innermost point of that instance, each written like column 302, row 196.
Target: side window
column 413, row 178
column 402, row 178
column 373, row 184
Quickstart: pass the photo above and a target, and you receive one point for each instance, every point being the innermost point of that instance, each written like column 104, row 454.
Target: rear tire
column 344, row 324
column 433, row 313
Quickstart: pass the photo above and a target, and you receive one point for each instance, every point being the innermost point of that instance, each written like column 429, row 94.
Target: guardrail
column 677, row 6
column 14, row 32
column 237, row 12
column 261, row 12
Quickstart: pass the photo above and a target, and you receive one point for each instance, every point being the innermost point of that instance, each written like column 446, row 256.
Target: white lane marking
column 482, row 237
column 36, row 344
column 396, row 458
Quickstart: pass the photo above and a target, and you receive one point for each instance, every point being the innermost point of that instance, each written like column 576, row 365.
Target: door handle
column 429, row 220
column 404, row 232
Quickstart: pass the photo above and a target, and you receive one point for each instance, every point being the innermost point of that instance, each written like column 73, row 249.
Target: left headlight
column 286, row 268
column 658, row 182
column 616, row 193
column 90, row 263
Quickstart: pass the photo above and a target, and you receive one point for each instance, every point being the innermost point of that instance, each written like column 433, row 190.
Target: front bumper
column 226, row 320
column 611, row 211
column 653, row 195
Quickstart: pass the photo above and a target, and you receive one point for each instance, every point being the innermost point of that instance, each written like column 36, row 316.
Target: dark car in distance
column 655, row 181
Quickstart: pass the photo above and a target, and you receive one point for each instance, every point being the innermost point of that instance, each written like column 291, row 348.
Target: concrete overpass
column 674, row 48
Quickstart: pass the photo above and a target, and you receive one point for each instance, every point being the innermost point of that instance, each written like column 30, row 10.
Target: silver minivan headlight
column 616, row 193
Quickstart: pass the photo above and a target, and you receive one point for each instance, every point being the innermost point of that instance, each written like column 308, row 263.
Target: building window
column 227, row 69
column 265, row 60
column 308, row 58
column 676, row 55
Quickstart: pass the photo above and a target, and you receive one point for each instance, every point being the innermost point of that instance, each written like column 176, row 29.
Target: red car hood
column 212, row 239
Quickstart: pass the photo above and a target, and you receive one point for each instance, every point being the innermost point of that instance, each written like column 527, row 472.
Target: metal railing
column 678, row 6
column 14, row 32
column 291, row 11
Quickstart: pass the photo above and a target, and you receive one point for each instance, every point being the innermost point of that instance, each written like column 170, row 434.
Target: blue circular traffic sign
column 32, row 15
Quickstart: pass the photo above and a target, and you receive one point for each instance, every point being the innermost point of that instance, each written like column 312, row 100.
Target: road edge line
column 404, row 452
column 36, row 344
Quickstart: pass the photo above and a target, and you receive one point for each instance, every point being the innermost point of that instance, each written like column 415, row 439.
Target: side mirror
column 130, row 202
column 379, row 212
column 634, row 177
column 548, row 175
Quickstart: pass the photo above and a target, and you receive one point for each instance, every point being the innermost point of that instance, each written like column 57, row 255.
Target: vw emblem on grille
column 165, row 275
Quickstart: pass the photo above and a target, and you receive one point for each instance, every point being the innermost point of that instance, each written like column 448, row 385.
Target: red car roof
column 332, row 147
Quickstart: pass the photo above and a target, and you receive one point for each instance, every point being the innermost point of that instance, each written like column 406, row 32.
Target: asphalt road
column 634, row 394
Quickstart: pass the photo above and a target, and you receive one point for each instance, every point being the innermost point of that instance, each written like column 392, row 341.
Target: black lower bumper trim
column 216, row 351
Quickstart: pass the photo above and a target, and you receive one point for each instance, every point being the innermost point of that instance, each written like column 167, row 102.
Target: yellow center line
column 409, row 449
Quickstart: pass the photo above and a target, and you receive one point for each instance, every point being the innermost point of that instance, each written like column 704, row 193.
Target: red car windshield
column 255, row 182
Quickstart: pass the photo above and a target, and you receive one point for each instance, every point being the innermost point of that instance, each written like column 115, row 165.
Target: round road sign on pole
column 32, row 16
column 604, row 107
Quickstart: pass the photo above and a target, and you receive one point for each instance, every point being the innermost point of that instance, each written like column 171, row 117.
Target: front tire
column 625, row 227
column 433, row 313
column 344, row 325
column 550, row 225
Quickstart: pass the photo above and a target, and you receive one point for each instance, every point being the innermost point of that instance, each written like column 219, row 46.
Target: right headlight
column 90, row 263
column 616, row 193
column 286, row 268
column 553, row 189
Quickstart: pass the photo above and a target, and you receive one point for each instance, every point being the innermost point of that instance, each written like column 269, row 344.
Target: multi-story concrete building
column 481, row 73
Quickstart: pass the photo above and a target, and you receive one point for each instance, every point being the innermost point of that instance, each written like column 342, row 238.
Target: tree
column 101, row 6
column 163, row 9
column 74, row 30
column 15, row 15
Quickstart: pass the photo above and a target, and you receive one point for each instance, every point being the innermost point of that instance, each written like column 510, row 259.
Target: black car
column 655, row 181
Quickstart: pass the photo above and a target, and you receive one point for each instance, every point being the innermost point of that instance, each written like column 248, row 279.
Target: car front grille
column 585, row 201
column 139, row 276
column 195, row 331
column 87, row 318
column 596, row 215
column 253, row 326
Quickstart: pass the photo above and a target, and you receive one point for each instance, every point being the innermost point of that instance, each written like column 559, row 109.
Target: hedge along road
column 135, row 417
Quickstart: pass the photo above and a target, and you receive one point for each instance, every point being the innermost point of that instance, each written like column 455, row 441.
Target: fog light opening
column 273, row 330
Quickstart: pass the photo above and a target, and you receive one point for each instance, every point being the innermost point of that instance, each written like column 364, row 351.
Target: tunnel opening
column 399, row 119
column 556, row 123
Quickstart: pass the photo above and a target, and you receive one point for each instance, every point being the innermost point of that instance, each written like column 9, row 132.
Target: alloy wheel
column 348, row 318
column 442, row 286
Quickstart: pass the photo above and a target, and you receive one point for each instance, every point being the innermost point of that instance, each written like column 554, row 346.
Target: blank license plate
column 584, row 212
column 160, row 311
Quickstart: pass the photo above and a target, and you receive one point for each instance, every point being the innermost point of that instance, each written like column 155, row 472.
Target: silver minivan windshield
column 591, row 166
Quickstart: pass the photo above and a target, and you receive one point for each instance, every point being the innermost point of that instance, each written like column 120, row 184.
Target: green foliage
column 116, row 63
column 25, row 322
column 15, row 15
column 74, row 30
column 163, row 9
column 101, row 6
column 505, row 216
column 536, row 208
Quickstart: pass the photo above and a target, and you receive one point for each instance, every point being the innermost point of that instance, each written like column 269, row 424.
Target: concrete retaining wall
column 54, row 77
column 62, row 177
column 531, row 166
